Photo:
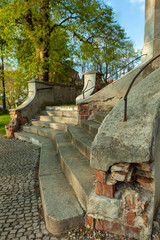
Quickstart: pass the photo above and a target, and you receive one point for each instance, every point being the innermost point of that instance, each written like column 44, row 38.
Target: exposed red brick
column 99, row 225
column 83, row 112
column 143, row 166
column 115, row 228
column 131, row 205
column 129, row 218
column 132, row 232
column 145, row 218
column 144, row 174
column 121, row 237
column 110, row 180
column 132, row 200
column 119, row 176
column 146, row 183
column 121, row 167
column 89, row 222
column 106, row 226
column 105, row 190
column 83, row 117
column 90, row 112
column 95, row 107
column 83, row 107
column 144, row 206
column 23, row 121
column 101, row 176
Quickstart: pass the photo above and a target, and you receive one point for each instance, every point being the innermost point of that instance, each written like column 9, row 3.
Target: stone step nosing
column 89, row 127
column 63, row 113
column 99, row 117
column 67, row 160
column 83, row 147
column 56, row 126
column 44, row 132
column 68, row 120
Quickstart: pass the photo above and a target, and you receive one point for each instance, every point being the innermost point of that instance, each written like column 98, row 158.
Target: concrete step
column 58, row 126
column 62, row 211
column 44, row 132
column 81, row 139
column 99, row 117
column 61, row 108
column 60, row 113
column 67, row 120
column 91, row 126
column 76, row 168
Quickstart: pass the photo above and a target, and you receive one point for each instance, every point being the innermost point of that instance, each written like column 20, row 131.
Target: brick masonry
column 85, row 110
column 135, row 201
column 14, row 124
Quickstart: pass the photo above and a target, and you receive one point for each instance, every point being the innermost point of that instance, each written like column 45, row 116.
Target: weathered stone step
column 76, row 168
column 60, row 113
column 68, row 120
column 61, row 108
column 45, row 132
column 62, row 211
column 99, row 117
column 58, row 126
column 91, row 126
column 81, row 139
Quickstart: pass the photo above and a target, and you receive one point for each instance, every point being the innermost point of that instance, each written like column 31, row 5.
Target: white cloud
column 140, row 3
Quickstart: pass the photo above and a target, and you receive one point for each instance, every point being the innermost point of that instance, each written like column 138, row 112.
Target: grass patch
column 4, row 119
column 66, row 104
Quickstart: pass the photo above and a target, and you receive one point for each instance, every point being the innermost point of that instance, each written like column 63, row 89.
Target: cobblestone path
column 20, row 204
column 21, row 216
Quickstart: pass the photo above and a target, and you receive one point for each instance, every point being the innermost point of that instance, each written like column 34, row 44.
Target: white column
column 152, row 29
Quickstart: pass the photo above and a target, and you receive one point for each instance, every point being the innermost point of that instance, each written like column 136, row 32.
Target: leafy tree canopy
column 46, row 34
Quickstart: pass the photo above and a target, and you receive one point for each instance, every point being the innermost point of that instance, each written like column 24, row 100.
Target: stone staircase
column 66, row 179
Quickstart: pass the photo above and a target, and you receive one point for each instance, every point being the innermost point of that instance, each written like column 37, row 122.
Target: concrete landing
column 62, row 211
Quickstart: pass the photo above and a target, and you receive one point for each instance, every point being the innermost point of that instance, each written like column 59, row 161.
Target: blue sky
column 130, row 14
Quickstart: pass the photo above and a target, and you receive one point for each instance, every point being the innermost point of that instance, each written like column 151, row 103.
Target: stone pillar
column 92, row 84
column 152, row 29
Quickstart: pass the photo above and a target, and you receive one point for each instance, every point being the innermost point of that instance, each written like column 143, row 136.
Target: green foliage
column 42, row 39
column 47, row 34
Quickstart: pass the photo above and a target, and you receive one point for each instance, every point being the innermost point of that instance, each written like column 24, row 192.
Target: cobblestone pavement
column 21, row 215
column 20, row 204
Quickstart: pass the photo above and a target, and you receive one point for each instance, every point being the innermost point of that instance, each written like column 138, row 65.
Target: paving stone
column 20, row 202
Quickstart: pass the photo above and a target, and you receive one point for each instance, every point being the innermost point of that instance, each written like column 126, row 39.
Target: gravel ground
column 21, row 216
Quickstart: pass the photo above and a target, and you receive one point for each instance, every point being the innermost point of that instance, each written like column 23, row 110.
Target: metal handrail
column 131, row 84
column 83, row 91
column 126, row 66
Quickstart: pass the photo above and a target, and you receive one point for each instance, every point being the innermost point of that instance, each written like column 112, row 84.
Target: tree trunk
column 3, row 82
column 106, row 77
column 42, row 43
column 42, row 56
